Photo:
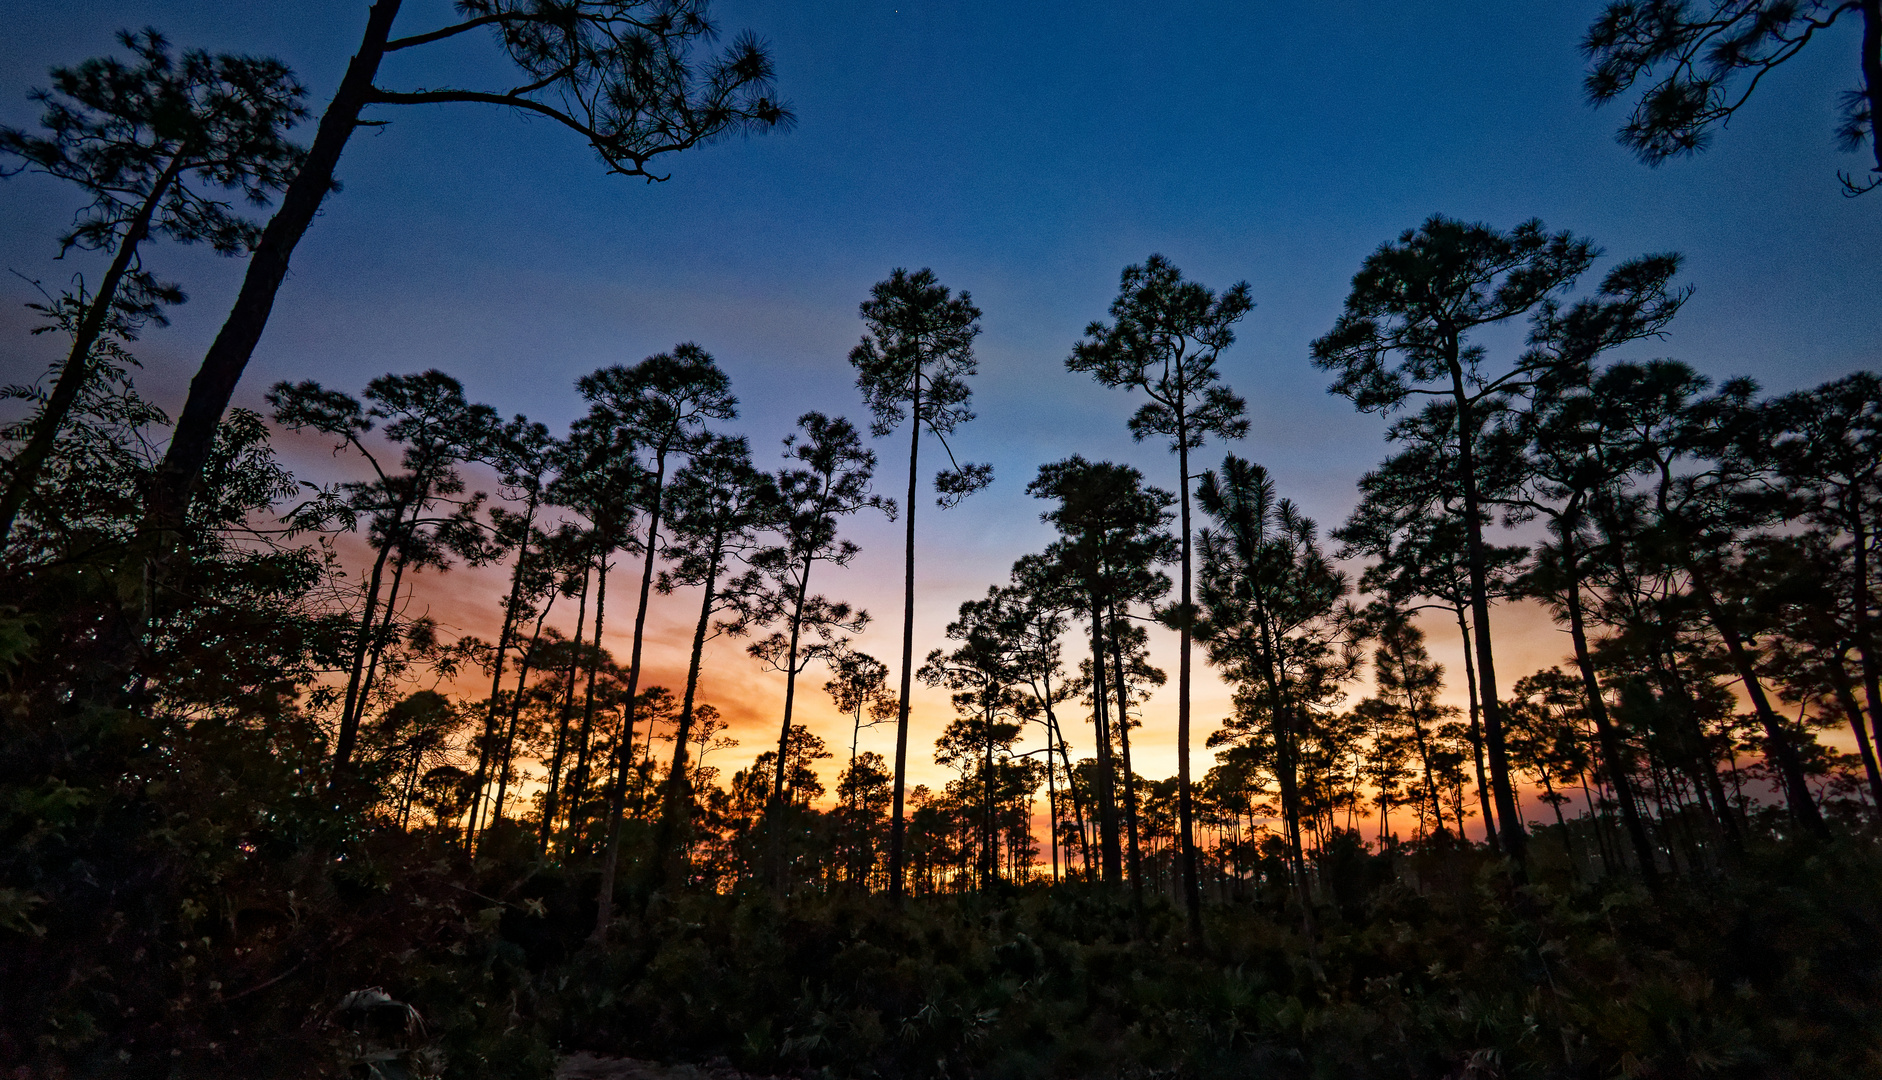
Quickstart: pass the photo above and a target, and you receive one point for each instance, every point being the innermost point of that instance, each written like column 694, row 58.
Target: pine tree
column 913, row 367
column 1165, row 337
column 153, row 146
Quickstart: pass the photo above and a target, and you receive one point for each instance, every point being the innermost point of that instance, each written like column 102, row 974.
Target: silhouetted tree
column 1825, row 445
column 1406, row 332
column 1111, row 531
column 437, row 430
column 830, row 483
column 150, row 144
column 1164, row 339
column 913, row 367
column 720, row 504
column 1408, row 522
column 524, row 455
column 980, row 671
column 623, row 74
column 1704, row 60
column 1689, row 445
column 663, row 404
column 1573, row 464
column 1273, row 623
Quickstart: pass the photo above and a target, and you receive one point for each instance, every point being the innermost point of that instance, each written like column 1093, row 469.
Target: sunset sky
column 1027, row 153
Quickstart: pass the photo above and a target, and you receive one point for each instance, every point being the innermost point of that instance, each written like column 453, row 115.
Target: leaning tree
column 628, row 76
column 158, row 147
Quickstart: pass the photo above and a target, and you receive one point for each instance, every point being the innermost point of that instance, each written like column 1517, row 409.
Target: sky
column 1026, row 153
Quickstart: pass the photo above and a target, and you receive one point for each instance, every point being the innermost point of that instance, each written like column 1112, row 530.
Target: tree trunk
column 1476, row 736
column 989, row 856
column 1846, row 697
column 777, row 810
column 491, row 723
column 349, row 716
column 1130, row 776
column 1699, row 764
column 604, row 908
column 516, row 711
column 1510, row 829
column 172, row 486
column 76, row 371
column 670, row 845
column 1862, row 598
column 550, row 805
column 1803, row 805
column 1610, row 740
column 579, row 790
column 1109, row 850
column 1071, row 787
column 1185, row 813
column 379, row 641
column 897, row 828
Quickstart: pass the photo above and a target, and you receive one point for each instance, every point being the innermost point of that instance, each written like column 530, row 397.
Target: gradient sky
column 1026, row 153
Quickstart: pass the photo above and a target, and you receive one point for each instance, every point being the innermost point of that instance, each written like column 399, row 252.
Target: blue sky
column 1027, row 153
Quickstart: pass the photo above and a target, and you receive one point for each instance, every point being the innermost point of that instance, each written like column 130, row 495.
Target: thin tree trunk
column 362, row 643
column 1130, row 775
column 1418, row 733
column 1279, row 712
column 989, row 859
column 550, row 806
column 670, row 844
column 1109, row 850
column 1476, row 736
column 76, row 371
column 896, row 827
column 584, row 740
column 1071, row 786
column 1699, row 763
column 1052, row 804
column 1803, row 805
column 1192, row 890
column 1604, row 728
column 379, row 640
column 1510, row 829
column 617, row 804
column 510, row 607
column 523, row 667
column 777, row 810
column 1846, row 697
column 1862, row 598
